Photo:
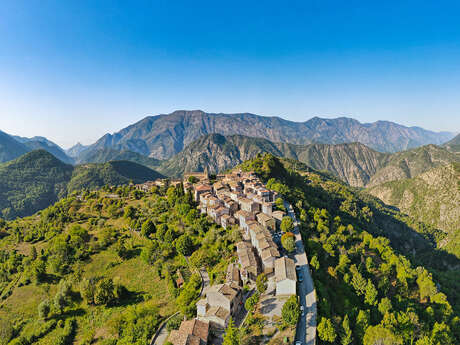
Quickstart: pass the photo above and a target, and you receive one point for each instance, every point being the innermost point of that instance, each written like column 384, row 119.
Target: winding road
column 306, row 328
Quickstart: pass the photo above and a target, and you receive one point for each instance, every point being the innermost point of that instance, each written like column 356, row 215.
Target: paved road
column 163, row 334
column 306, row 329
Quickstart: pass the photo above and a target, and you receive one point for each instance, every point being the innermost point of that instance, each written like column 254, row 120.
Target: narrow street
column 306, row 328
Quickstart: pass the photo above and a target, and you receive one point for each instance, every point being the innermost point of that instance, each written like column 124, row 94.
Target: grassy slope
column 137, row 276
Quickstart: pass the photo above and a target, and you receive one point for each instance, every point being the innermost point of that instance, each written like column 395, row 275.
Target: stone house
column 285, row 276
column 226, row 221
column 221, row 302
column 249, row 205
column 243, row 217
column 278, row 215
column 190, row 332
column 201, row 189
column 267, row 208
column 266, row 221
column 247, row 260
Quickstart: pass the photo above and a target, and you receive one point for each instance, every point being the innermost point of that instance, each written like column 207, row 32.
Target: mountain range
column 163, row 136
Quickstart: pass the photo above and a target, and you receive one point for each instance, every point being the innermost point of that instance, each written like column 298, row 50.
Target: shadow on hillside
column 130, row 297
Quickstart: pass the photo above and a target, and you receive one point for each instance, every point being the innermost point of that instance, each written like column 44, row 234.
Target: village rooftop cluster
column 237, row 199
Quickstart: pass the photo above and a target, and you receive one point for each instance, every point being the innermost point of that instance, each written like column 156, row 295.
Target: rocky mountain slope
column 432, row 197
column 37, row 179
column 454, row 144
column 354, row 163
column 75, row 150
column 411, row 163
column 163, row 136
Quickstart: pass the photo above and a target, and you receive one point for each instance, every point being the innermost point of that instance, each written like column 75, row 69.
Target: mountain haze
column 37, row 143
column 163, row 136
column 10, row 148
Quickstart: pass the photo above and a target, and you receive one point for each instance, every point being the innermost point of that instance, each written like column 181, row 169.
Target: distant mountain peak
column 162, row 136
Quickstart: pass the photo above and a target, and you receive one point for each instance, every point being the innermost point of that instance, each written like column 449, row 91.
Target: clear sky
column 75, row 70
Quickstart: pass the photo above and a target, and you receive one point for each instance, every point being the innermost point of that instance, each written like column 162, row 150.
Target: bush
column 174, row 322
column 44, row 309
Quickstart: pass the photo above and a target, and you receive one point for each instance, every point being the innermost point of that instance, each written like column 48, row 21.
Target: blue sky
column 75, row 70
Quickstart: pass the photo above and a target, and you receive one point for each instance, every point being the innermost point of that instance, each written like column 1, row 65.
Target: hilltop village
column 238, row 199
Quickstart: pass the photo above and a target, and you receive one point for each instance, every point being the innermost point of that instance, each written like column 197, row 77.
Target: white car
column 302, row 310
column 298, row 343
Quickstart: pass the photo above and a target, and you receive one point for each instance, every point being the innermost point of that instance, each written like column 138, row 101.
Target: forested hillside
column 432, row 197
column 38, row 179
column 106, row 155
column 101, row 267
column 378, row 275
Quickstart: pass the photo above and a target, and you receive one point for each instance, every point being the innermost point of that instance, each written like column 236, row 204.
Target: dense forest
column 378, row 276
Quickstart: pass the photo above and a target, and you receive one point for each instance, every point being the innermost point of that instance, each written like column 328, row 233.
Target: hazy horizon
column 74, row 71
column 166, row 113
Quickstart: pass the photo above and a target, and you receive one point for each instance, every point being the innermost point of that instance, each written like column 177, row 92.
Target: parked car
column 300, row 277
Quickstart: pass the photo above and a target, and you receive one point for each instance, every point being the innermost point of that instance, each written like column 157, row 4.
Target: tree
column 380, row 335
column 150, row 252
column 87, row 289
column 120, row 249
column 261, row 283
column 384, row 306
column 231, row 336
column 314, row 262
column 287, row 225
column 44, row 309
column 291, row 311
column 362, row 322
column 193, row 179
column 358, row 281
column 251, row 302
column 104, row 292
column 38, row 271
column 59, row 301
column 184, row 245
column 326, row 330
column 346, row 337
column 440, row 335
column 371, row 293
column 148, row 228
column 33, row 253
column 130, row 212
column 288, row 241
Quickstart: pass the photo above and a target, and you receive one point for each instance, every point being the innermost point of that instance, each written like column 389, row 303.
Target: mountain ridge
column 37, row 179
column 162, row 136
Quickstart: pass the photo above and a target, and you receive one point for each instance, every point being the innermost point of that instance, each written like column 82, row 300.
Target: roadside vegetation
column 379, row 278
